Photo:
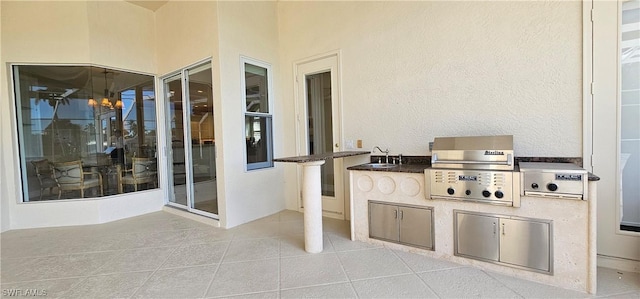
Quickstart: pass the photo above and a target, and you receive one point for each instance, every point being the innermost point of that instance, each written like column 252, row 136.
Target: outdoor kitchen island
column 404, row 192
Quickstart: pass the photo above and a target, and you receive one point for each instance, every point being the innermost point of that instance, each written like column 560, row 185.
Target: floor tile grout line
column 74, row 286
column 59, row 255
column 96, row 251
column 344, row 271
column 104, row 264
column 153, row 273
column 414, row 272
column 279, row 269
column 215, row 272
column 488, row 273
column 316, row 285
column 69, row 277
column 47, row 279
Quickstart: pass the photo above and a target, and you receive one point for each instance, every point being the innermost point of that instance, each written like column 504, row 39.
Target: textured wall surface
column 418, row 70
column 412, row 71
column 248, row 29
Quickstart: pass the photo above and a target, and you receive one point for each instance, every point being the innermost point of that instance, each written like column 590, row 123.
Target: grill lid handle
column 435, row 160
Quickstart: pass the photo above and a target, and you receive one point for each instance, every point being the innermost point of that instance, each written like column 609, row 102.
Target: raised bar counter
column 312, row 194
column 321, row 157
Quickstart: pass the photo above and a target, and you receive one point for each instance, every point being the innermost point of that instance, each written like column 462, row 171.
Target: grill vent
column 438, row 177
column 451, row 177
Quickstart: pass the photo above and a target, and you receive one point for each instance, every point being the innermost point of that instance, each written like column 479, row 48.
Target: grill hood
column 473, row 152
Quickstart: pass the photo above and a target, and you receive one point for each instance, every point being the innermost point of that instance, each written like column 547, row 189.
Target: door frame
column 597, row 31
column 339, row 130
column 188, row 155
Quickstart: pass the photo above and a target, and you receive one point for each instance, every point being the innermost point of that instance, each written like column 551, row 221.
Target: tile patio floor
column 162, row 255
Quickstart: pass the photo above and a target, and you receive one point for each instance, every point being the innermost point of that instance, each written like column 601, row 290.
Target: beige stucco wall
column 191, row 31
column 249, row 29
column 412, row 71
column 415, row 70
column 121, row 35
column 115, row 34
column 186, row 32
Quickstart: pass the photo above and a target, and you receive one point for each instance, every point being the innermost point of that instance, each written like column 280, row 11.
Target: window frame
column 268, row 116
column 21, row 161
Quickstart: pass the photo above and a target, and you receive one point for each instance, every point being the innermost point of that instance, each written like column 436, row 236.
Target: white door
column 616, row 124
column 319, row 126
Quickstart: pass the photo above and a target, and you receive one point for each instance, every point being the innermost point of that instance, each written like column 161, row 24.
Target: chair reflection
column 44, row 173
column 70, row 176
column 143, row 171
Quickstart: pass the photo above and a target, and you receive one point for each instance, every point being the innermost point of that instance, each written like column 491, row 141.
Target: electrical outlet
column 430, row 146
column 349, row 144
column 359, row 143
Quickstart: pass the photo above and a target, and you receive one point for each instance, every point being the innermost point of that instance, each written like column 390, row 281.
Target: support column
column 312, row 201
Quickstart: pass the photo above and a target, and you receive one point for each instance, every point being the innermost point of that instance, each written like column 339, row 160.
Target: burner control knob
column 534, row 186
column 486, row 193
column 451, row 191
column 499, row 194
column 552, row 187
column 468, row 192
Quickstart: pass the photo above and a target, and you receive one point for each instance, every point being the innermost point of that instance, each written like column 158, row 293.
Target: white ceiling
column 151, row 5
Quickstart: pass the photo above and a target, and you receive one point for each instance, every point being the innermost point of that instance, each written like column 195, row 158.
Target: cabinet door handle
column 395, row 214
column 401, row 215
column 503, row 229
column 494, row 228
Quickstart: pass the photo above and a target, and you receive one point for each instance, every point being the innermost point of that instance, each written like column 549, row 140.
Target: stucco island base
column 574, row 226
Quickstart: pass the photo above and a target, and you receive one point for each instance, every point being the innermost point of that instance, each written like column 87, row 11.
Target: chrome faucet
column 386, row 153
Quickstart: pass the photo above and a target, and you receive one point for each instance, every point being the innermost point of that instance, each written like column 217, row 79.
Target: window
column 257, row 114
column 84, row 131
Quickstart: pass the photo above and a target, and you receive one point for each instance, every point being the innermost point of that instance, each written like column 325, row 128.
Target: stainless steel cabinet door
column 477, row 236
column 525, row 243
column 415, row 226
column 383, row 221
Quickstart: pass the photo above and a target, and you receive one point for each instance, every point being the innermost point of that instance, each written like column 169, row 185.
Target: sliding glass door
column 190, row 129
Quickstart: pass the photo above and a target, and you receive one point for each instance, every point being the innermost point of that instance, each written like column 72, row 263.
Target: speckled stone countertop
column 419, row 168
column 409, row 168
column 320, row 157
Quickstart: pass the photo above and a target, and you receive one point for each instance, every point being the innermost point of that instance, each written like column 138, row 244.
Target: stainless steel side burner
column 555, row 180
column 474, row 168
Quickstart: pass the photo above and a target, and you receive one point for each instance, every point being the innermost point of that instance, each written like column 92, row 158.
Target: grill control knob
column 451, row 191
column 499, row 194
column 468, row 192
column 534, row 186
column 486, row 193
column 552, row 187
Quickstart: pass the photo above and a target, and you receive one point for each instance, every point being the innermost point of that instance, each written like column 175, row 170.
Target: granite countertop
column 419, row 168
column 320, row 157
column 407, row 168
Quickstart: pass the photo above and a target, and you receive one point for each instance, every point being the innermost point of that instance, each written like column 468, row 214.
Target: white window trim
column 269, row 163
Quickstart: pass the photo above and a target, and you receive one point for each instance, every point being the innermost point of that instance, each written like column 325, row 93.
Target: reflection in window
column 630, row 115
column 257, row 120
column 84, row 131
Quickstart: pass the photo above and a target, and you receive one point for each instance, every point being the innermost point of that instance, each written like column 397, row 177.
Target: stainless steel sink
column 381, row 165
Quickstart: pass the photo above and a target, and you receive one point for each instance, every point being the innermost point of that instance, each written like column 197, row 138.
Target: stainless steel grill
column 475, row 168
